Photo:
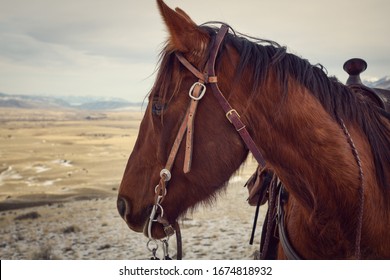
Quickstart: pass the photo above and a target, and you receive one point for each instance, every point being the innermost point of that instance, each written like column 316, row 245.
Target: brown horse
column 294, row 114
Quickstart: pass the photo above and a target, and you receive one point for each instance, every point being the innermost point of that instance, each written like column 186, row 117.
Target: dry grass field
column 63, row 153
column 59, row 176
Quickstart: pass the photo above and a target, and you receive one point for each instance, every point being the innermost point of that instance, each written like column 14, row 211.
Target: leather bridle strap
column 235, row 119
column 231, row 114
column 187, row 125
column 210, row 78
column 165, row 174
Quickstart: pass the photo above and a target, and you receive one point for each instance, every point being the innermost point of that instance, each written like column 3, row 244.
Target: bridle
column 196, row 93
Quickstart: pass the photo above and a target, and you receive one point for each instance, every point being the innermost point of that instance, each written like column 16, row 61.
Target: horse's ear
column 185, row 15
column 185, row 35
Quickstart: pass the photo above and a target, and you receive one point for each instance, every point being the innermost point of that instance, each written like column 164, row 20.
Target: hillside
column 101, row 103
column 383, row 83
column 64, row 102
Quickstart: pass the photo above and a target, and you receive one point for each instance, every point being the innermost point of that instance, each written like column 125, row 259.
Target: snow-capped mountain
column 76, row 102
column 383, row 83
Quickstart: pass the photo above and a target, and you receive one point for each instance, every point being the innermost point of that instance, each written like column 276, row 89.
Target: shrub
column 28, row 216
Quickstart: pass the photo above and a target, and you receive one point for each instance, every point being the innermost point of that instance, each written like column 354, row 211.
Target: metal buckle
column 202, row 92
column 230, row 112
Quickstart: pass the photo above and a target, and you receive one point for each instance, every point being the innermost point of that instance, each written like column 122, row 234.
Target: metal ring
column 167, row 174
column 202, row 92
column 155, row 191
column 152, row 248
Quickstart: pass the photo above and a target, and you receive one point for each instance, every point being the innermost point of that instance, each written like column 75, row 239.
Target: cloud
column 76, row 47
column 117, row 42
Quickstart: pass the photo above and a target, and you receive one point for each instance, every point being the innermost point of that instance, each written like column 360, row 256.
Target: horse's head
column 217, row 149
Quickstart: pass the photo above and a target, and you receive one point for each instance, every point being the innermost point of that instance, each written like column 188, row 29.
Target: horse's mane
column 337, row 99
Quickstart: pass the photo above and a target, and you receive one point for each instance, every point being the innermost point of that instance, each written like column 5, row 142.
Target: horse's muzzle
column 135, row 221
column 121, row 206
column 138, row 222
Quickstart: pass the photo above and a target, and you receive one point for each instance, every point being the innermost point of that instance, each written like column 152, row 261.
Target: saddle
column 380, row 97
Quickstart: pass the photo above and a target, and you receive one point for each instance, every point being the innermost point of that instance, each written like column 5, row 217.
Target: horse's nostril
column 121, row 205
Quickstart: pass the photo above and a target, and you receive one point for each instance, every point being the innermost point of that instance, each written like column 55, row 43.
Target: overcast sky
column 110, row 47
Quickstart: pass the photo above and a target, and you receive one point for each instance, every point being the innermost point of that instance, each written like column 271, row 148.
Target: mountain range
column 65, row 102
column 101, row 103
column 383, row 83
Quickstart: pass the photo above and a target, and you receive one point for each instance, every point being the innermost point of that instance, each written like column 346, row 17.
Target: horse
column 327, row 145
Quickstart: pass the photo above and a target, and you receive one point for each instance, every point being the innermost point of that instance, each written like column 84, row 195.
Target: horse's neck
column 311, row 155
column 305, row 146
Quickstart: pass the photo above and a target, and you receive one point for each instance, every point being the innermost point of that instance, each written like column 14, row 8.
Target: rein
column 355, row 153
column 196, row 93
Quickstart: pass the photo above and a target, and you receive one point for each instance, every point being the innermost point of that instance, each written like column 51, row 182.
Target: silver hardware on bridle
column 201, row 94
column 167, row 174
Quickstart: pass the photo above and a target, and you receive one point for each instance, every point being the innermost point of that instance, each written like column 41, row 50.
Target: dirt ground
column 59, row 176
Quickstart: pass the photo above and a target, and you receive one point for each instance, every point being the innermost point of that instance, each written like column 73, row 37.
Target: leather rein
column 196, row 93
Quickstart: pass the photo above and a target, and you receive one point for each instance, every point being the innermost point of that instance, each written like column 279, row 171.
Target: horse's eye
column 158, row 108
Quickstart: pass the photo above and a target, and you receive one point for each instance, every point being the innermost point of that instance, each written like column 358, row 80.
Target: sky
column 110, row 48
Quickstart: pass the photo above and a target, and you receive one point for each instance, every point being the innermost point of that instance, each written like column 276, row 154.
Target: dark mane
column 337, row 99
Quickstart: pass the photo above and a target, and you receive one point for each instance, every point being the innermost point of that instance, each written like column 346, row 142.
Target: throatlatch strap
column 231, row 113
